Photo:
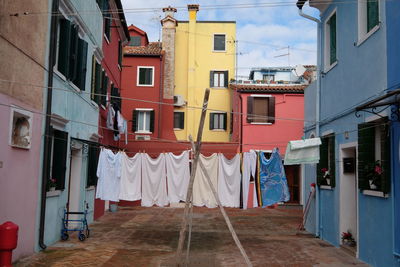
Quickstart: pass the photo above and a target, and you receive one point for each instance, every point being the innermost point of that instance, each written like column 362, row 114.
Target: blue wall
column 363, row 72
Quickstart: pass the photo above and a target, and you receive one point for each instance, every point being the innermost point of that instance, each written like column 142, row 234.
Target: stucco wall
column 19, row 178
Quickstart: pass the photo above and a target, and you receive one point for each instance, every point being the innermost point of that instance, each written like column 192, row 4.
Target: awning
column 302, row 151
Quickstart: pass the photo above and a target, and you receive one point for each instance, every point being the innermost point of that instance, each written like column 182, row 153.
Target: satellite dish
column 299, row 70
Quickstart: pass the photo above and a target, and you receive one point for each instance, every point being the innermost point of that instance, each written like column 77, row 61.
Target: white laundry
column 302, row 151
column 178, row 175
column 249, row 169
column 110, row 117
column 202, row 194
column 229, row 181
column 154, row 182
column 122, row 126
column 131, row 177
column 109, row 174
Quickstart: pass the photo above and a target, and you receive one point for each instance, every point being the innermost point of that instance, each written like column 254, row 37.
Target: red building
column 269, row 116
column 107, row 77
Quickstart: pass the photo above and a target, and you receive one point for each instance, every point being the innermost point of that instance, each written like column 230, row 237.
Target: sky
column 264, row 28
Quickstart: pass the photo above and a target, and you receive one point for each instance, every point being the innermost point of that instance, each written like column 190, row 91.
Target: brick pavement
column 138, row 236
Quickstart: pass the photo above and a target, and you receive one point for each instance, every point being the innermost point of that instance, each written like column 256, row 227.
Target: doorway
column 293, row 179
column 348, row 197
column 74, row 190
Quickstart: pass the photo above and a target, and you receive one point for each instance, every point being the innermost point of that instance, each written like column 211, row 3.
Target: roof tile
column 152, row 49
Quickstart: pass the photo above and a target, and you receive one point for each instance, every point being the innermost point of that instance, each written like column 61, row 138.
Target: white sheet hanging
column 178, row 175
column 249, row 169
column 154, row 182
column 202, row 194
column 302, row 151
column 229, row 181
column 131, row 177
column 109, row 174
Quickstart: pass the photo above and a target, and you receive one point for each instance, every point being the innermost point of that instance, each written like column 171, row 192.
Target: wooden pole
column 189, row 194
column 228, row 222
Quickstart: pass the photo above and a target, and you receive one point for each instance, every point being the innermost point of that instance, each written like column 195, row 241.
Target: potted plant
column 347, row 239
column 326, row 176
column 51, row 184
column 374, row 174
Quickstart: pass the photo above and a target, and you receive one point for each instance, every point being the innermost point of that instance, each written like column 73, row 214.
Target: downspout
column 47, row 138
column 160, row 96
column 300, row 5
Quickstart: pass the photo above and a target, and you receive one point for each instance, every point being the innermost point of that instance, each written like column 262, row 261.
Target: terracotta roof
column 152, row 49
column 271, row 88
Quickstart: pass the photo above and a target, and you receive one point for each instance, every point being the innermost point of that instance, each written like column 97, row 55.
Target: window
column 260, row 109
column 145, row 76
column 330, row 42
column 218, row 121
column 72, row 54
column 374, row 156
column 368, row 17
column 179, row 120
column 143, row 121
column 219, row 42
column 326, row 166
column 135, row 41
column 219, row 79
column 104, row 6
column 268, row 78
column 59, row 161
column 96, row 81
column 93, row 157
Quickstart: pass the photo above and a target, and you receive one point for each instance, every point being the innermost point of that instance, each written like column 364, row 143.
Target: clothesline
column 164, row 180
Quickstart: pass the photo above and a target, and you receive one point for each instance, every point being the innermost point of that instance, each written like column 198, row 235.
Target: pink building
column 269, row 116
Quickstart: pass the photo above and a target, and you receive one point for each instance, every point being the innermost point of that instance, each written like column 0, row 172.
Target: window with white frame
column 143, row 121
column 179, row 120
column 368, row 17
column 219, row 79
column 330, row 41
column 268, row 77
column 219, row 42
column 218, row 121
column 145, row 76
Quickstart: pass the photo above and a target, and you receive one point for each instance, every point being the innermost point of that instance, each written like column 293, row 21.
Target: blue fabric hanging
column 273, row 183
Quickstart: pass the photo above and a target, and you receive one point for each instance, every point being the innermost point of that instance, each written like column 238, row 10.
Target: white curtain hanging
column 229, row 181
column 131, row 177
column 154, row 182
column 178, row 175
column 202, row 194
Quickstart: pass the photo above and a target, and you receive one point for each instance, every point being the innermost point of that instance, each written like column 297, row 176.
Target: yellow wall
column 194, row 59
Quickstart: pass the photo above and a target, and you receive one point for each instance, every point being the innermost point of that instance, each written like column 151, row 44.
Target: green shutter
column 385, row 158
column 332, row 160
column 226, row 81
column 134, row 120
column 92, row 165
column 182, row 120
column 104, row 85
column 59, row 166
column 212, row 121
column 332, row 31
column 323, row 161
column 80, row 79
column 372, row 14
column 63, row 47
column 366, row 153
column 98, row 90
column 211, row 79
column 73, row 54
column 93, row 81
column 119, row 53
column 152, row 120
column 225, row 120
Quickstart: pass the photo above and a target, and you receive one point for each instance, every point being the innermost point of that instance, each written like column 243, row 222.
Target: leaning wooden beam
column 196, row 152
column 228, row 222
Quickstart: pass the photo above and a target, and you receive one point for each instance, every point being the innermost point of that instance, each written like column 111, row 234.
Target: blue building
column 357, row 177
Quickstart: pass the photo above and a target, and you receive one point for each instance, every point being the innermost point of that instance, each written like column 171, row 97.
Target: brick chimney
column 169, row 24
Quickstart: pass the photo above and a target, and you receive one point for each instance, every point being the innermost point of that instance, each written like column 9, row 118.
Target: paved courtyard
column 138, row 236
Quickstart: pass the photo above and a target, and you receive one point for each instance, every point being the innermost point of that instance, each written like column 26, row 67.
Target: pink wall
column 288, row 107
column 19, row 177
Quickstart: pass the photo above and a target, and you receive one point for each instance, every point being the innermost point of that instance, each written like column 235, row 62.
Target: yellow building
column 204, row 58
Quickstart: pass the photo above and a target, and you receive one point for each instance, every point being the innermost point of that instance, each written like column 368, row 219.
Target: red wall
column 289, row 116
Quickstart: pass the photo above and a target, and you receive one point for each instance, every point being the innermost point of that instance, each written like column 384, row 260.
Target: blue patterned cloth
column 272, row 179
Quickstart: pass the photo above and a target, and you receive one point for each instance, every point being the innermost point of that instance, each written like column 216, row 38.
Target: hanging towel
column 202, row 194
column 302, row 151
column 110, row 117
column 109, row 174
column 131, row 177
column 249, row 169
column 229, row 181
column 178, row 175
column 123, row 126
column 154, row 182
column 272, row 178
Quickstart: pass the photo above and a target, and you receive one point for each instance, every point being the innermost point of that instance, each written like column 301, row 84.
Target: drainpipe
column 47, row 138
column 160, row 96
column 300, row 4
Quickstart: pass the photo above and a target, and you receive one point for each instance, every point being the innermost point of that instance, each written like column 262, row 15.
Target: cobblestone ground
column 139, row 236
